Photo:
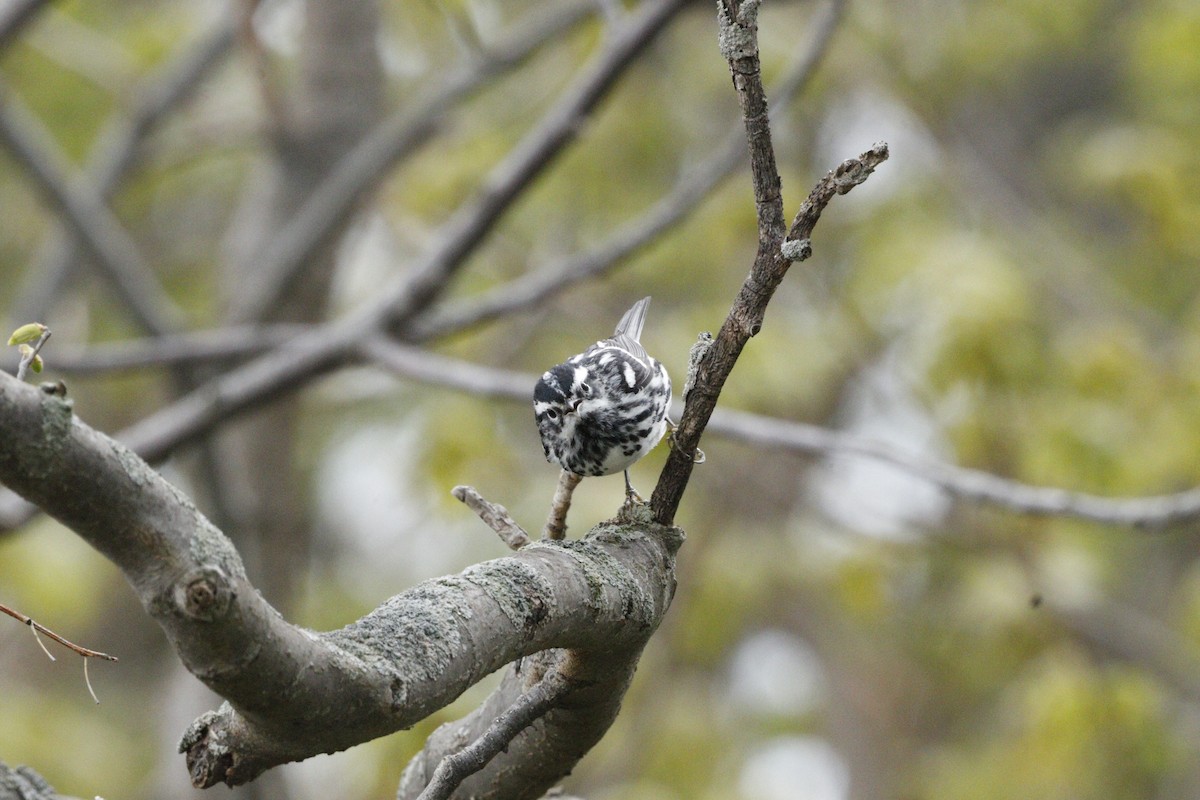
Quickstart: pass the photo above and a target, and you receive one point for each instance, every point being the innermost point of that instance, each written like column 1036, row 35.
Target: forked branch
column 776, row 251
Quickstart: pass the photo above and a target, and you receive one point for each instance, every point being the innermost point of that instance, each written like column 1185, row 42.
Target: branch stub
column 204, row 595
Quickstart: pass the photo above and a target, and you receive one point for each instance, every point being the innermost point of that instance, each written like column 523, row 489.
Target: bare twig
column 695, row 184
column 186, row 348
column 290, row 366
column 531, row 705
column 89, row 219
column 738, row 39
column 494, row 515
column 116, row 152
column 1152, row 512
column 556, row 523
column 361, row 171
column 38, row 627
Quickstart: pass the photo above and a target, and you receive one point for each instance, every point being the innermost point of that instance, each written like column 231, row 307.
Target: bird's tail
column 631, row 324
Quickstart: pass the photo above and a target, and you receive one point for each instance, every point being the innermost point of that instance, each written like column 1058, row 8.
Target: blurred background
column 1015, row 291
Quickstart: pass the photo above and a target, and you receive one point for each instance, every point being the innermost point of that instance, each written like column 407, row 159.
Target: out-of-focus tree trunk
column 337, row 97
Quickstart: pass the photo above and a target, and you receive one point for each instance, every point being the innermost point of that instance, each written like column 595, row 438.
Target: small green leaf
column 27, row 333
column 36, row 366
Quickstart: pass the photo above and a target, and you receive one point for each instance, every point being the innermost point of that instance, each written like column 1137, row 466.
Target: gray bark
column 293, row 693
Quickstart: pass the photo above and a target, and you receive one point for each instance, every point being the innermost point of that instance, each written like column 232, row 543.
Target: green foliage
column 27, row 333
column 1064, row 731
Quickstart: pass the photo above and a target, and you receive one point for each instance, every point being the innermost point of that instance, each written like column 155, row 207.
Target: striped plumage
column 600, row 411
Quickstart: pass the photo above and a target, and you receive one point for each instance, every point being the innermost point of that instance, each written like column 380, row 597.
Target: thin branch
column 361, row 170
column 695, row 184
column 40, row 628
column 560, row 126
column 183, row 349
column 17, row 16
column 531, row 705
column 738, row 38
column 85, row 213
column 494, row 515
column 288, row 368
column 1138, row 638
column 973, row 485
column 560, row 506
column 267, row 79
column 115, row 154
column 1153, row 512
column 419, row 364
column 29, row 354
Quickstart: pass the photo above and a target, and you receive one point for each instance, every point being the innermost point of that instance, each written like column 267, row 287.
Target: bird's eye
column 586, row 390
column 551, row 413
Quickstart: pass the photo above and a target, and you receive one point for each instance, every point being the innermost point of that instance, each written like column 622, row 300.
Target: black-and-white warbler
column 600, row 411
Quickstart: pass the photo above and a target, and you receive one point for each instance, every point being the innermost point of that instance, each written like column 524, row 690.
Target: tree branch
column 85, row 212
column 1150, row 513
column 495, row 516
column 411, row 656
column 361, row 170
column 282, row 370
column 17, row 16
column 739, row 44
column 24, row 783
column 455, row 768
column 561, row 125
column 695, row 184
column 116, row 152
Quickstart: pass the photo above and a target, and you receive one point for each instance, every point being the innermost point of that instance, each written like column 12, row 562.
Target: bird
column 601, row 410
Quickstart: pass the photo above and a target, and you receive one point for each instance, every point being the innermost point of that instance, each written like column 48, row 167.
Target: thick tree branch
column 385, row 672
column 544, row 753
column 24, row 783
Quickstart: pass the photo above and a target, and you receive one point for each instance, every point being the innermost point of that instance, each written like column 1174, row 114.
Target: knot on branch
column 853, row 171
column 204, row 595
column 737, row 29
